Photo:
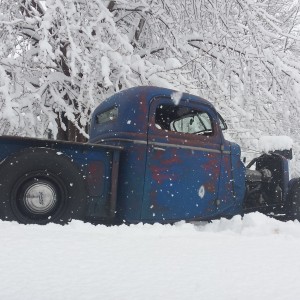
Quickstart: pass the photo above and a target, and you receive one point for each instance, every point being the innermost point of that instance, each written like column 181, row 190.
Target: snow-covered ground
column 251, row 258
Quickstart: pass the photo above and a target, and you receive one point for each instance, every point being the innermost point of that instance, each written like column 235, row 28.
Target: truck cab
column 176, row 164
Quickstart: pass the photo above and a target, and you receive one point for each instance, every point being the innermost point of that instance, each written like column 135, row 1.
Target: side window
column 183, row 119
column 109, row 115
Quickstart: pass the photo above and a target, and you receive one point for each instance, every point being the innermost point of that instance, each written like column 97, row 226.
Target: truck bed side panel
column 95, row 163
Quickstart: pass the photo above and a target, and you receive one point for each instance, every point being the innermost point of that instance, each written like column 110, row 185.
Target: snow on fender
column 272, row 143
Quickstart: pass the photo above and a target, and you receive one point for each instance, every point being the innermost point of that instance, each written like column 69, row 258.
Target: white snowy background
column 60, row 58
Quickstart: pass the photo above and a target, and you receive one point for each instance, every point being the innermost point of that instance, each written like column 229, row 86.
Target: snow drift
column 251, row 258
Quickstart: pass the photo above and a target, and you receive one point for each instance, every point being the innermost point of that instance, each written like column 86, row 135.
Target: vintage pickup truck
column 149, row 159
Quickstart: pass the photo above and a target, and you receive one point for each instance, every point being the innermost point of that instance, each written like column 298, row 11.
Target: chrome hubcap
column 40, row 198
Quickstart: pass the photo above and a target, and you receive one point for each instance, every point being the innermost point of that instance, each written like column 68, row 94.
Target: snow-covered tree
column 55, row 62
column 60, row 58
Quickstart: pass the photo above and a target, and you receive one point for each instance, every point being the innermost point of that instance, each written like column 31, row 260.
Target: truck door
column 183, row 162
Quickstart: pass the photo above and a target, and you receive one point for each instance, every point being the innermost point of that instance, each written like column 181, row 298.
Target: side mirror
column 223, row 124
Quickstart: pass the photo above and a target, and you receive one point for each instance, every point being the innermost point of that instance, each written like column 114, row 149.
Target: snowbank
column 251, row 258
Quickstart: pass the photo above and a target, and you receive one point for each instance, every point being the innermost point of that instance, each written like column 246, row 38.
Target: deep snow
column 251, row 258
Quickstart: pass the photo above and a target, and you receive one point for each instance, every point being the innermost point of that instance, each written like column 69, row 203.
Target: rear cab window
column 107, row 116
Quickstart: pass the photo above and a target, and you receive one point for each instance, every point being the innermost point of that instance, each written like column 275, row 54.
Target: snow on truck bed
column 251, row 258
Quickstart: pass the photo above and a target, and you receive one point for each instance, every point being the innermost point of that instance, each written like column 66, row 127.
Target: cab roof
column 133, row 108
column 133, row 96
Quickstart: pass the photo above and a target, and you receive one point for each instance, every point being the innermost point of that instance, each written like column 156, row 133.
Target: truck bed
column 98, row 165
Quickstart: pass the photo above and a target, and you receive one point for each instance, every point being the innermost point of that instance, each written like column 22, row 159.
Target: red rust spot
column 161, row 170
column 211, row 187
column 212, row 166
column 161, row 174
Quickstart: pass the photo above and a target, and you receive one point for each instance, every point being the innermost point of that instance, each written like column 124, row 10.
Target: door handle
column 158, row 148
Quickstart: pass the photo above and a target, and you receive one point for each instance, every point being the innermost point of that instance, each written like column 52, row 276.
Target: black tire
column 293, row 200
column 39, row 185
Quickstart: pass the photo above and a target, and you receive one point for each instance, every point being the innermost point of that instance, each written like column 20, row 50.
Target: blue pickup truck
column 149, row 159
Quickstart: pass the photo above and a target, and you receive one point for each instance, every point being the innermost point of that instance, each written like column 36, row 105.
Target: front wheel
column 293, row 200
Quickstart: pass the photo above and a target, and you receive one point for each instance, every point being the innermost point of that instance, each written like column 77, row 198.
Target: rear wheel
column 39, row 186
column 293, row 200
